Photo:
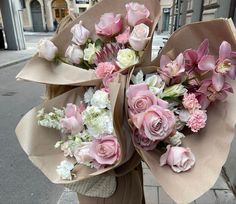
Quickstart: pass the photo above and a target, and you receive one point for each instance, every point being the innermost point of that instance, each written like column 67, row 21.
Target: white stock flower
column 64, row 170
column 74, row 53
column 100, row 99
column 47, row 50
column 126, row 58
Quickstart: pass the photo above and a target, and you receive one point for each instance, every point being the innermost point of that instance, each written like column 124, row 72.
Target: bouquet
column 100, row 42
column 181, row 111
column 78, row 134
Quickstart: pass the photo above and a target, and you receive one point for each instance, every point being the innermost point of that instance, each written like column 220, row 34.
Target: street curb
column 4, row 65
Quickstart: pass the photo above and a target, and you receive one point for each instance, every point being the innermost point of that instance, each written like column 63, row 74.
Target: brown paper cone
column 39, row 70
column 212, row 144
column 38, row 142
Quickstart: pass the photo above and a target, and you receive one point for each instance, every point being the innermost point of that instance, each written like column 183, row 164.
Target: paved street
column 20, row 181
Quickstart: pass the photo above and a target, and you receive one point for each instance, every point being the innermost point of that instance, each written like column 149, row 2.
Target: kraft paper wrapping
column 42, row 71
column 212, row 144
column 38, row 142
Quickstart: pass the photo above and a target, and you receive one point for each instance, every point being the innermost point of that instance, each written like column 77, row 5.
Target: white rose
column 90, row 53
column 74, row 53
column 139, row 37
column 80, row 34
column 100, row 99
column 47, row 49
column 126, row 58
column 64, row 170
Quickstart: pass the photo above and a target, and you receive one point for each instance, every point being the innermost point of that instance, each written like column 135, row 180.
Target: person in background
column 55, row 24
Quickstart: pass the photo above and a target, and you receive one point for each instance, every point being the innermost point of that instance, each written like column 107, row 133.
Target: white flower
column 74, row 53
column 184, row 115
column 90, row 53
column 138, row 79
column 176, row 139
column 64, row 170
column 88, row 95
column 139, row 37
column 98, row 121
column 47, row 49
column 155, row 84
column 80, row 34
column 100, row 99
column 126, row 58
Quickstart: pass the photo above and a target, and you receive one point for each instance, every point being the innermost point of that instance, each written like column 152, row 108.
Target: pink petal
column 180, row 59
column 232, row 72
column 218, row 81
column 164, row 61
column 227, row 87
column 225, row 50
column 164, row 157
column 207, row 63
column 203, row 49
column 191, row 56
column 138, row 120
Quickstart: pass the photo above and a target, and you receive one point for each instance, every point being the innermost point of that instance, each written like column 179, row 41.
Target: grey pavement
column 9, row 57
column 20, row 181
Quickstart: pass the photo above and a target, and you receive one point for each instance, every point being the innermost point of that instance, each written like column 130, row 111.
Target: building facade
column 164, row 22
column 188, row 11
column 43, row 15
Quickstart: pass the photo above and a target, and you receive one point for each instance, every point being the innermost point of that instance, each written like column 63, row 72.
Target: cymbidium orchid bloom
column 193, row 57
column 207, row 93
column 171, row 69
column 221, row 67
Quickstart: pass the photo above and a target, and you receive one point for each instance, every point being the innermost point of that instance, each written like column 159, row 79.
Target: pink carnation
column 123, row 38
column 197, row 120
column 190, row 102
column 105, row 69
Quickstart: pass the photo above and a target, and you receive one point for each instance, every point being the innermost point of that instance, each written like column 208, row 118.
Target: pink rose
column 80, row 34
column 47, row 49
column 136, row 12
column 139, row 37
column 197, row 120
column 105, row 69
column 105, row 150
column 178, row 158
column 70, row 110
column 143, row 142
column 123, row 38
column 156, row 123
column 81, row 153
column 140, row 98
column 73, row 120
column 109, row 24
column 73, row 124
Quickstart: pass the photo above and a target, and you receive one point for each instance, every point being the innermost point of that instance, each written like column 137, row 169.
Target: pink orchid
column 222, row 66
column 207, row 93
column 193, row 57
column 171, row 68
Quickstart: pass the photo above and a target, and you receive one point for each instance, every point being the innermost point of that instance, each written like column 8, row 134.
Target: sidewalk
column 154, row 194
column 9, row 57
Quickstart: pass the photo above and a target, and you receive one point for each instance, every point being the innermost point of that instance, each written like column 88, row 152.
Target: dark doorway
column 36, row 14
